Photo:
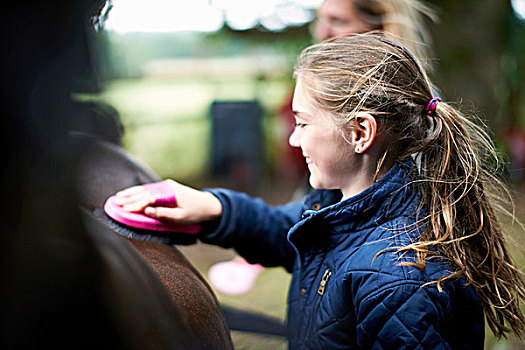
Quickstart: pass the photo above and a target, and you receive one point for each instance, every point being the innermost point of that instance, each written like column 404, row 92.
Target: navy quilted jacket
column 343, row 294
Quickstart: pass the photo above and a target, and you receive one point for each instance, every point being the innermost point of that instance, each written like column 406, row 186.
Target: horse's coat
column 106, row 169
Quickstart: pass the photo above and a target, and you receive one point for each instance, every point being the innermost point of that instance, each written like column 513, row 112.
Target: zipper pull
column 324, row 280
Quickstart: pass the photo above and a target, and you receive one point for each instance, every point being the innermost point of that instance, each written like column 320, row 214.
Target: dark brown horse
column 107, row 168
column 68, row 280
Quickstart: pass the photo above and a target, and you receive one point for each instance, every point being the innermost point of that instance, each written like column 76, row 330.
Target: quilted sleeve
column 406, row 316
column 256, row 230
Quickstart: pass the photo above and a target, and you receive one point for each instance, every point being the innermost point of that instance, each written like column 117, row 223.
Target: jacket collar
column 388, row 198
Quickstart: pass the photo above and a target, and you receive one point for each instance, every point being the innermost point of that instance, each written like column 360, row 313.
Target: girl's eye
column 300, row 125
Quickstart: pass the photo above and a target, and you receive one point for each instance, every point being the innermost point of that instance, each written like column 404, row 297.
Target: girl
column 398, row 246
column 404, row 20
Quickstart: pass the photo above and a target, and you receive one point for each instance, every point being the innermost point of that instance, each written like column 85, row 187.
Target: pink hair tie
column 432, row 104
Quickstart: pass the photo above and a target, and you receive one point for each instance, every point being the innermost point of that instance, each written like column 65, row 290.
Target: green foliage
column 129, row 52
column 167, row 123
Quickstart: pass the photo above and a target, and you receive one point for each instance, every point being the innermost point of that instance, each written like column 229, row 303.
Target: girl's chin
column 315, row 183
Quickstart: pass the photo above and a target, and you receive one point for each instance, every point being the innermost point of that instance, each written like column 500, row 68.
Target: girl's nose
column 293, row 140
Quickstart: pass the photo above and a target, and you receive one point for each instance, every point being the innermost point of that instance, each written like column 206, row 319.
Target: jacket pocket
column 317, row 301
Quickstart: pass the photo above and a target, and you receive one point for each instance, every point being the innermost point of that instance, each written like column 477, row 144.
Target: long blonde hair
column 455, row 155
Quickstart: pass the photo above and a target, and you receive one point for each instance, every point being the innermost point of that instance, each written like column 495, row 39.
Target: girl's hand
column 193, row 206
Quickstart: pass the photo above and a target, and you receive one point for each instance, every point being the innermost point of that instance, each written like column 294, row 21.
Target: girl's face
column 330, row 158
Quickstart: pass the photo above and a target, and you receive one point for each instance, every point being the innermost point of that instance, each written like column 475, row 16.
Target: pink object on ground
column 234, row 277
column 164, row 196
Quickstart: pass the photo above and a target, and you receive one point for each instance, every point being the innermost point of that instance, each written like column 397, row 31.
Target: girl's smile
column 334, row 161
column 330, row 158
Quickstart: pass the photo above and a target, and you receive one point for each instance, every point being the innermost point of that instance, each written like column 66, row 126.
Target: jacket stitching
column 392, row 286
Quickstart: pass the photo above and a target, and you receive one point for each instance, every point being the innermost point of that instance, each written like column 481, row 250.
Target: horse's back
column 106, row 169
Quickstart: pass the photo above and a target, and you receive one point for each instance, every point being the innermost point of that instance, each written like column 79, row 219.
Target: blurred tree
column 513, row 70
column 471, row 48
column 480, row 55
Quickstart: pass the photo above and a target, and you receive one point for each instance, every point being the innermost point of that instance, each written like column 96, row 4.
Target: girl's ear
column 365, row 132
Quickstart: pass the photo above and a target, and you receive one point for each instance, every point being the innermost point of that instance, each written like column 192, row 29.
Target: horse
column 106, row 168
column 68, row 280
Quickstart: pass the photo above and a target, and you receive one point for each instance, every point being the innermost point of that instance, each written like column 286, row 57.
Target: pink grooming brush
column 164, row 196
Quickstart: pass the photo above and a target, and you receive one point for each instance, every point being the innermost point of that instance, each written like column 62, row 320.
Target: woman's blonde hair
column 454, row 157
column 401, row 20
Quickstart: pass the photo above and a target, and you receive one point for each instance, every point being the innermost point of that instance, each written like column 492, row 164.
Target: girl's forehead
column 305, row 108
column 302, row 97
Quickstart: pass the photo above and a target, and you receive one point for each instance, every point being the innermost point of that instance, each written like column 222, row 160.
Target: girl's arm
column 230, row 219
column 256, row 230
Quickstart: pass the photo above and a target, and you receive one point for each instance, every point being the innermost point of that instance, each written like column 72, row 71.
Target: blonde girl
column 399, row 245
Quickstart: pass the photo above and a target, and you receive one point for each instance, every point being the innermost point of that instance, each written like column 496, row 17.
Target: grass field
column 167, row 123
column 167, row 127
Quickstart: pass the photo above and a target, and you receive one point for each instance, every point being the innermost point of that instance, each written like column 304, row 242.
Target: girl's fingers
column 130, row 191
column 170, row 214
column 137, row 205
column 135, row 200
column 135, row 197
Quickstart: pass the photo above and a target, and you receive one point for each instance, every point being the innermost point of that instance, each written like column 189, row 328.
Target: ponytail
column 461, row 222
column 456, row 162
